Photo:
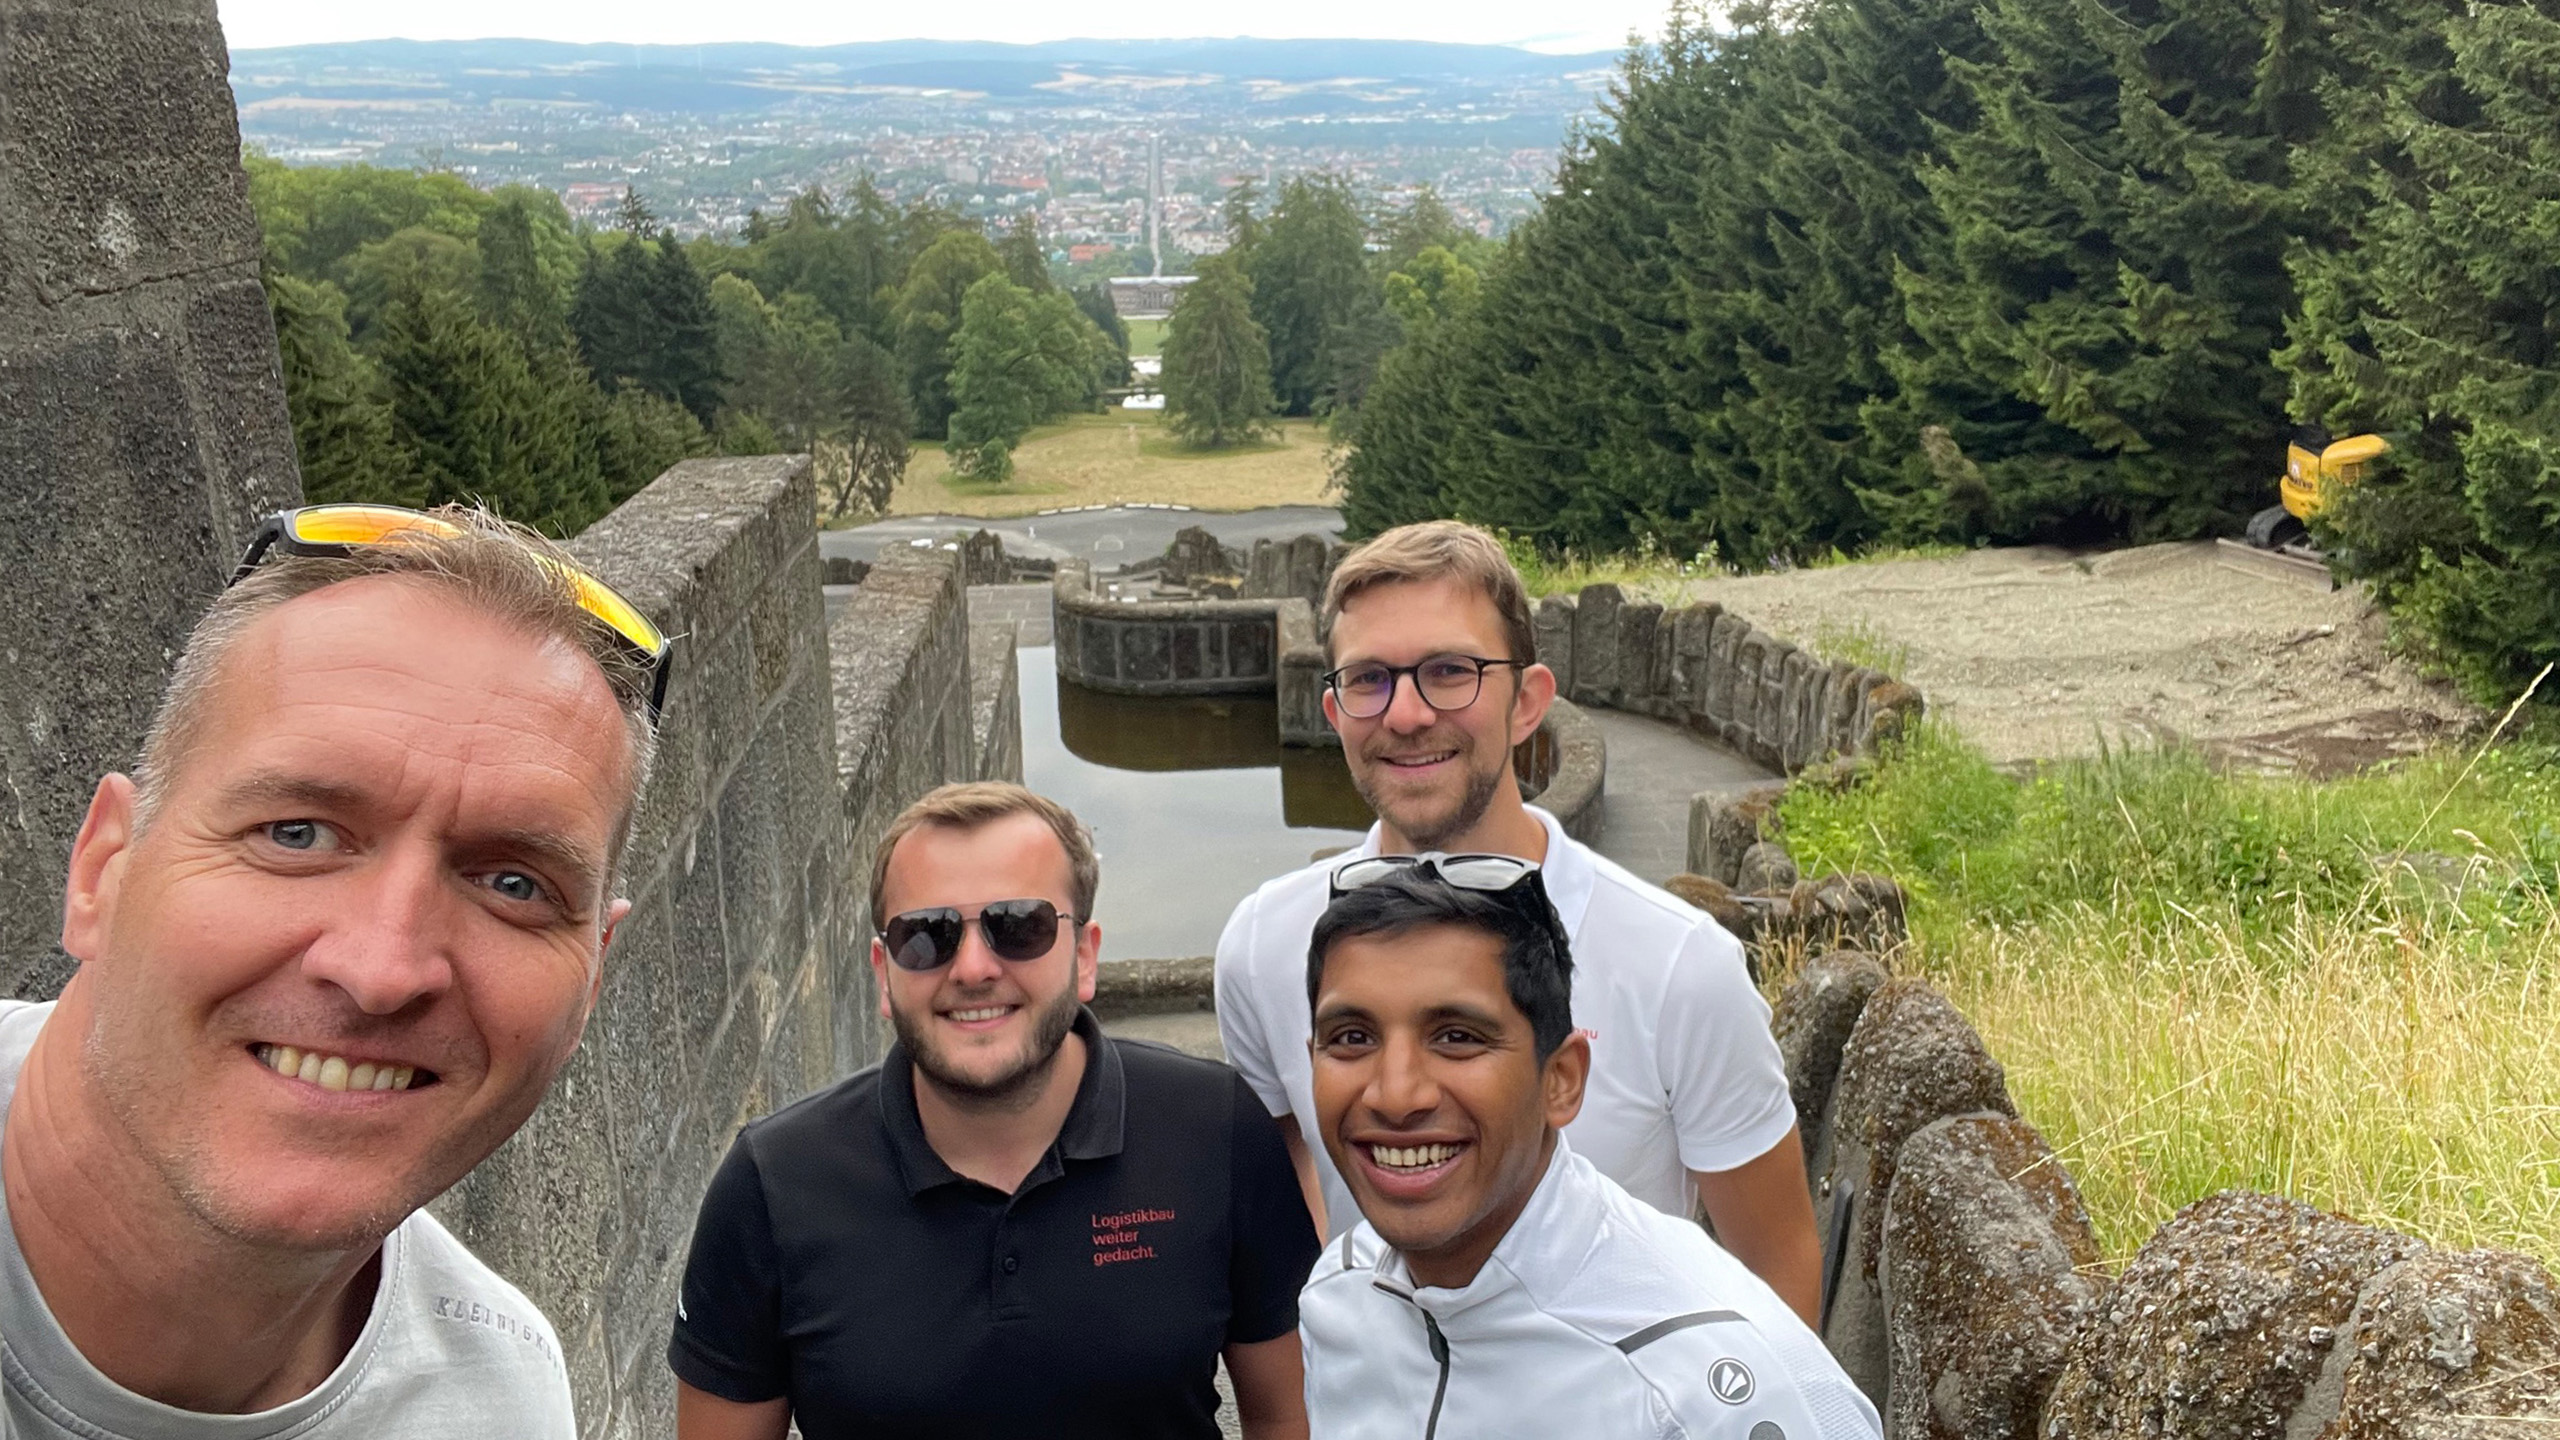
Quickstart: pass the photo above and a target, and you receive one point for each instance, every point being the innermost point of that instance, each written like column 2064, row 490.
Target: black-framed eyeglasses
column 1492, row 874
column 339, row 530
column 1365, row 689
column 930, row 938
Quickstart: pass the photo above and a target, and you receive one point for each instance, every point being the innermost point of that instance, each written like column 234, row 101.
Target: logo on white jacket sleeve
column 1730, row 1379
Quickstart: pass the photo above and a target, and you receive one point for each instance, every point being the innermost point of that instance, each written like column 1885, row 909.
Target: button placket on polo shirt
column 1006, row 1264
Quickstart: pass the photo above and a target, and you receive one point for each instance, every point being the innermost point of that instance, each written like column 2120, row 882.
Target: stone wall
column 740, row 981
column 1711, row 670
column 142, row 421
column 1963, row 1289
column 1161, row 647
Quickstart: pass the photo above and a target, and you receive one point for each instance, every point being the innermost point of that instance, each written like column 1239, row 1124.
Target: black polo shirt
column 838, row 1263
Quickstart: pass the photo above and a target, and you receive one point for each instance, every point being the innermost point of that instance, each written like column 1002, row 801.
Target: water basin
column 1193, row 802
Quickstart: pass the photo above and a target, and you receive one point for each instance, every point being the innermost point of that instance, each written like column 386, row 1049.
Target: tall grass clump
column 2345, row 991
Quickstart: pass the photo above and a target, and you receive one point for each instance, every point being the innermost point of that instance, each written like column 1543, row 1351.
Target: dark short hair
column 1537, row 959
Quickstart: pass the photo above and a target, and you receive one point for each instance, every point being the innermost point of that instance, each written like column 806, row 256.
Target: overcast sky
column 1538, row 24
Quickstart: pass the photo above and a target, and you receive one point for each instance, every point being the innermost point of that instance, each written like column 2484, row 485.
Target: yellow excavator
column 2317, row 470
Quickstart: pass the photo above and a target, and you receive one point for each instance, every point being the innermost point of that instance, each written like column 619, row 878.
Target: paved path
column 1110, row 537
column 1654, row 767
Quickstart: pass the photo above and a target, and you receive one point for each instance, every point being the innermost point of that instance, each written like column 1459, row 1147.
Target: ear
column 1561, row 1082
column 1332, row 710
column 613, row 916
column 1088, row 960
column 97, row 869
column 880, row 974
column 1529, row 708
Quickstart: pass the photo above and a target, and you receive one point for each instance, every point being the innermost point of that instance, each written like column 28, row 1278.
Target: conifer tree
column 1217, row 364
column 1314, row 295
column 341, row 421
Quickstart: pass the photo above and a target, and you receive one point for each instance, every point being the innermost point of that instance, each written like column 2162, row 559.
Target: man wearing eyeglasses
column 336, row 933
column 1014, row 1225
column 1502, row 1286
column 1435, row 680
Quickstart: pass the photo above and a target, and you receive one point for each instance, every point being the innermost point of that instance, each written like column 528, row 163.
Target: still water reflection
column 1193, row 802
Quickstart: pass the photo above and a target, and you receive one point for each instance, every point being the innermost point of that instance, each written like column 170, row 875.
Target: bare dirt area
column 2039, row 653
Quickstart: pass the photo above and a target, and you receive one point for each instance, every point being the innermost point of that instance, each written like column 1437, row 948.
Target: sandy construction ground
column 2039, row 653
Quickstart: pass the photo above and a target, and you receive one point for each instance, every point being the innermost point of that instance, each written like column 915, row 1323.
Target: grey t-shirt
column 449, row 1350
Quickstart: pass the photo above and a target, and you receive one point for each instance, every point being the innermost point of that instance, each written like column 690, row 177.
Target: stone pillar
column 142, row 419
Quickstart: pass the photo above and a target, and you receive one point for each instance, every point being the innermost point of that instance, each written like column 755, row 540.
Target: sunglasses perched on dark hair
column 1492, row 874
column 337, row 531
column 930, row 938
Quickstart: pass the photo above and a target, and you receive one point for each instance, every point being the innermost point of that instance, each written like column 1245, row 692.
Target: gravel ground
column 2038, row 653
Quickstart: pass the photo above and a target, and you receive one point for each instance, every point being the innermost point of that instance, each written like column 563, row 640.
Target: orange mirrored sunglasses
column 340, row 530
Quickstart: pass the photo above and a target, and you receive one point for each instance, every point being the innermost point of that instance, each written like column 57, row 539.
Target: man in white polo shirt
column 1501, row 1288
column 1435, row 680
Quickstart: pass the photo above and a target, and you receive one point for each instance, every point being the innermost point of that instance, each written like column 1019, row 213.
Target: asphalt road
column 1110, row 537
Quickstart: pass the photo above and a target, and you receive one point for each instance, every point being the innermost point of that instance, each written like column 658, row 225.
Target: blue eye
column 516, row 885
column 295, row 834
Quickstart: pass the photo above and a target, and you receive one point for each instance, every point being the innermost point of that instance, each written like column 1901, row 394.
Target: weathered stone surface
column 1910, row 1060
column 1840, row 735
column 2220, row 1324
column 1892, row 709
column 1196, row 555
column 1637, row 622
column 1796, row 669
column 1724, row 675
column 1595, row 644
column 1812, row 1021
column 1162, row 647
column 1555, row 639
column 1987, row 1274
column 1692, row 648
column 1300, row 687
column 2447, row 1343
column 1766, row 866
column 995, row 703
column 101, row 192
column 1662, row 683
column 1725, row 823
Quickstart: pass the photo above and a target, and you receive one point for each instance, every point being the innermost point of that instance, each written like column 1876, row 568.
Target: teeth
column 988, row 1013
column 1412, row 1157
column 335, row 1072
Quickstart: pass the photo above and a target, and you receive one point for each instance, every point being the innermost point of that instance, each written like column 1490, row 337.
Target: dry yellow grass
column 2407, row 1082
column 1124, row 457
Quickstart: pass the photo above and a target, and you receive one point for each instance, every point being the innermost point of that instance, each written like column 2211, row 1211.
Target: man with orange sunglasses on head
column 336, row 933
column 1015, row 1225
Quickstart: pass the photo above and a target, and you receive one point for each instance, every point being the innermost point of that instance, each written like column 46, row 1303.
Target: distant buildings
column 1146, row 297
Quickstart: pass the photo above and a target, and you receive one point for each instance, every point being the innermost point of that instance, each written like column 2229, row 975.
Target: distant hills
column 747, row 77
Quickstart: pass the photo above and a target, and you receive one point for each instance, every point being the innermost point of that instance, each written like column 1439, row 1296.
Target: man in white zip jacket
column 1500, row 1285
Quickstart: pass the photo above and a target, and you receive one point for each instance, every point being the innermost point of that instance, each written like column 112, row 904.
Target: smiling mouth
column 336, row 1072
column 1412, row 1159
column 980, row 1013
column 1417, row 762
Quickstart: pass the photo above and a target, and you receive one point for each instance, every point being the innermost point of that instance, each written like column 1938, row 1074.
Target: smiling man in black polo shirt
column 1014, row 1226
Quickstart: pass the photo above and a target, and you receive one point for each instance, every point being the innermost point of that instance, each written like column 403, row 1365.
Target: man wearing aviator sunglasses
column 1015, row 1225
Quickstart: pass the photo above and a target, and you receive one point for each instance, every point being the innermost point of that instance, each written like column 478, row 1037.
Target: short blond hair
column 494, row 566
column 1437, row 550
column 971, row 804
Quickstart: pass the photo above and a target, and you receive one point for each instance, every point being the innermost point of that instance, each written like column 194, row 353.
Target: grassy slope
column 1125, row 456
column 2346, row 992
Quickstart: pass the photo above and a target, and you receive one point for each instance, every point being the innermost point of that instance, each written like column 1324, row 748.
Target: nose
column 975, row 964
column 1401, row 1087
column 1407, row 711
column 389, row 944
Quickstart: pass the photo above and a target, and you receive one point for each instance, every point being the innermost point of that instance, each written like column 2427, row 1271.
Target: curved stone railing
column 1964, row 1290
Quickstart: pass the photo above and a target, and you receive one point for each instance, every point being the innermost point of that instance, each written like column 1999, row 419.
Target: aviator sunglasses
column 336, row 531
column 929, row 939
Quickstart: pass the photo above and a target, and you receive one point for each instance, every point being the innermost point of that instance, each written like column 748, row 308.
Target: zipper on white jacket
column 1439, row 1352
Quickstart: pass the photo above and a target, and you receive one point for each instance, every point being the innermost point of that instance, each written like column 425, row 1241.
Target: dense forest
column 442, row 342
column 1847, row 275
column 1893, row 272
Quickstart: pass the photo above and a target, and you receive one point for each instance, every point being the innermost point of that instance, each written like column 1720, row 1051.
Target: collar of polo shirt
column 1092, row 1131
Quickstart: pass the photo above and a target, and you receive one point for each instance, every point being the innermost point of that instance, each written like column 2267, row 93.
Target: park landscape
column 1940, row 341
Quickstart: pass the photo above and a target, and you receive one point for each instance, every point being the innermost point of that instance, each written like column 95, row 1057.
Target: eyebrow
column 270, row 787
